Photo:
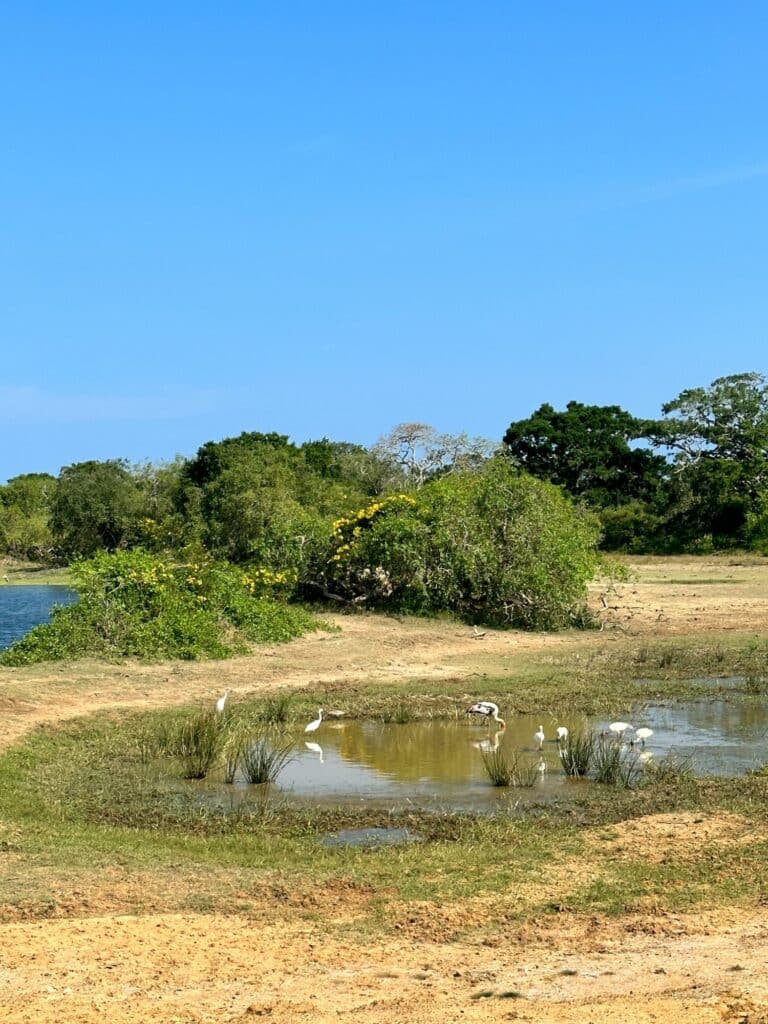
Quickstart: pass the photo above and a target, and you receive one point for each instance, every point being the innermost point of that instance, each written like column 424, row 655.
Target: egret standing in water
column 539, row 736
column 619, row 728
column 316, row 724
column 488, row 710
column 562, row 734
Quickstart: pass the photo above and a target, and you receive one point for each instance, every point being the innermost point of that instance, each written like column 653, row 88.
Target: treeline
column 696, row 479
column 199, row 557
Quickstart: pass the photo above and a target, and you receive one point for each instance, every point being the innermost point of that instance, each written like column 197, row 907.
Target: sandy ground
column 276, row 963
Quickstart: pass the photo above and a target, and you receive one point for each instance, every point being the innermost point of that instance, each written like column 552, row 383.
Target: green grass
column 97, row 795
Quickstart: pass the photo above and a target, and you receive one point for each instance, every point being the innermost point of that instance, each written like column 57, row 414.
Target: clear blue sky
column 328, row 218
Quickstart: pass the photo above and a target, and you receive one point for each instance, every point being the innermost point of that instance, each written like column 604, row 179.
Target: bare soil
column 283, row 960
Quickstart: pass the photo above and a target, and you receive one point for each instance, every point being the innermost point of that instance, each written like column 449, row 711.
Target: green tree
column 96, row 506
column 718, row 436
column 262, row 499
column 587, row 450
column 25, row 503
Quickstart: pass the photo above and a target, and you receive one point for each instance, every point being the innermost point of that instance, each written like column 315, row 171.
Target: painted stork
column 488, row 709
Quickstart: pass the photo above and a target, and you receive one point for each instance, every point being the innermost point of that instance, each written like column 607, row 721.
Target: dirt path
column 216, row 969
column 279, row 966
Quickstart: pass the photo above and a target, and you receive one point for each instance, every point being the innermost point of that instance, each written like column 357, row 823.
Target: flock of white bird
column 487, row 709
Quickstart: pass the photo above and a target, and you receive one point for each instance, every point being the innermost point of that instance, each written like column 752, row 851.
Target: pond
column 440, row 763
column 21, row 608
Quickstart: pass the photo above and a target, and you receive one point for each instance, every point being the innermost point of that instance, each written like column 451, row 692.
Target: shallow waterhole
column 439, row 763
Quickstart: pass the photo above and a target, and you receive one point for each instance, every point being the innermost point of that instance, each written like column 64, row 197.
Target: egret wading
column 619, row 728
column 539, row 736
column 561, row 733
column 316, row 724
column 643, row 734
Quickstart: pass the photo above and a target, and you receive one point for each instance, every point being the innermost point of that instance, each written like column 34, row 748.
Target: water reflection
column 442, row 761
column 316, row 749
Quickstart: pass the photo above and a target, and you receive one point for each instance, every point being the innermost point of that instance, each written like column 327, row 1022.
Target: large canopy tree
column 718, row 437
column 587, row 450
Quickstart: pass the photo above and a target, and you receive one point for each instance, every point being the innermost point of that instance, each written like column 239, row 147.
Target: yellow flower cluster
column 148, row 577
column 363, row 518
column 258, row 579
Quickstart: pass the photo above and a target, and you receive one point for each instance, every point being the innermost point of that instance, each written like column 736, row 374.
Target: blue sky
column 328, row 218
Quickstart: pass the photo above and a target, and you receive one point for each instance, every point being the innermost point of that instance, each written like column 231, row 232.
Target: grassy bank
column 84, row 797
column 25, row 574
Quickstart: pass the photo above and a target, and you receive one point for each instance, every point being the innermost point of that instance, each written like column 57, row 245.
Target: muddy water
column 440, row 763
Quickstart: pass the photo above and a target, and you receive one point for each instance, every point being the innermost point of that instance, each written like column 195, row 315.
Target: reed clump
column 577, row 752
column 615, row 765
column 508, row 769
column 275, row 709
column 261, row 758
column 197, row 742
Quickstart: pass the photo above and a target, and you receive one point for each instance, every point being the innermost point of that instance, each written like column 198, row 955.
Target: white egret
column 316, row 724
column 488, row 710
column 619, row 728
column 221, row 703
column 643, row 734
column 562, row 733
column 539, row 736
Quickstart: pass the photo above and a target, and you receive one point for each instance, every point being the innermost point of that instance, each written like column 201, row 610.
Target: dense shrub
column 136, row 603
column 495, row 545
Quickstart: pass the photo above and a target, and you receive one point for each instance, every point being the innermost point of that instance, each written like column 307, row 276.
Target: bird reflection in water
column 491, row 744
column 316, row 749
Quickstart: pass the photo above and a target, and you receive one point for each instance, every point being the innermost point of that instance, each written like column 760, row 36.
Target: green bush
column 132, row 603
column 496, row 546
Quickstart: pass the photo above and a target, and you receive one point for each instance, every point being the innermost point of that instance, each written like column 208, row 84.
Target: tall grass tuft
column 274, row 710
column 197, row 742
column 614, row 765
column 508, row 770
column 755, row 684
column 400, row 713
column 262, row 760
column 499, row 768
column 672, row 770
column 234, row 744
column 577, row 752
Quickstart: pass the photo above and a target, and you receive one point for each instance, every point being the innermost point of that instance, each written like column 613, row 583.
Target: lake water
column 21, row 608
column 440, row 763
